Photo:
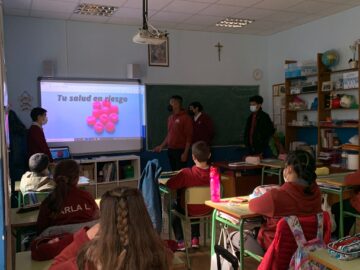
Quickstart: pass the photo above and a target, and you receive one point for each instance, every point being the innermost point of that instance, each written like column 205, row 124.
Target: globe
column 330, row 58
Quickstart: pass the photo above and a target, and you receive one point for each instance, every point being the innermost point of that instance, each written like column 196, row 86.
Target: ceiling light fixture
column 95, row 10
column 234, row 22
column 148, row 34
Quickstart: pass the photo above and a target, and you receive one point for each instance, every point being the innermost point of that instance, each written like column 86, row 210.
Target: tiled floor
column 200, row 260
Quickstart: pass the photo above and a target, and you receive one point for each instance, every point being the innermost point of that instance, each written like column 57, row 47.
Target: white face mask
column 253, row 108
column 45, row 120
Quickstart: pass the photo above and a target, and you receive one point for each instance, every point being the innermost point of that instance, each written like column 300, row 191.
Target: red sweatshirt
column 203, row 129
column 36, row 141
column 191, row 177
column 180, row 130
column 67, row 258
column 288, row 200
column 354, row 180
column 78, row 207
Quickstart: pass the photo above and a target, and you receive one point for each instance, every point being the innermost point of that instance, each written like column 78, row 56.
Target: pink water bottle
column 214, row 184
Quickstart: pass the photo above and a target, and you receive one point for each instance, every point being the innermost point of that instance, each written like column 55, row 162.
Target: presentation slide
column 93, row 116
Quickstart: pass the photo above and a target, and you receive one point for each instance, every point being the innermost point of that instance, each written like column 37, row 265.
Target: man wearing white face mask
column 36, row 137
column 259, row 129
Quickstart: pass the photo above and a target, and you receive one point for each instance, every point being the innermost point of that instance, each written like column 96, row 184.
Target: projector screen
column 93, row 116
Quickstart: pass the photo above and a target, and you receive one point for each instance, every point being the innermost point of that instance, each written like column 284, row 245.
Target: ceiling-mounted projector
column 147, row 37
column 148, row 34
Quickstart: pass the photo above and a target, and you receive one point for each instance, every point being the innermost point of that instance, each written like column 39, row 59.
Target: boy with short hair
column 198, row 175
column 36, row 137
column 37, row 179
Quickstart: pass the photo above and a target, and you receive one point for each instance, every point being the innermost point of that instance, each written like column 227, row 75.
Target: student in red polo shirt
column 179, row 136
column 36, row 138
column 203, row 125
column 198, row 175
column 67, row 204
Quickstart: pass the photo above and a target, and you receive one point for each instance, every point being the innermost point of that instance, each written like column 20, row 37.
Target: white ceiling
column 271, row 16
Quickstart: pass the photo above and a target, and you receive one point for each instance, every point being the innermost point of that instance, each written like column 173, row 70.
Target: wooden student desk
column 23, row 261
column 20, row 223
column 239, row 211
column 334, row 184
column 244, row 177
column 272, row 167
column 25, row 221
column 322, row 256
column 164, row 177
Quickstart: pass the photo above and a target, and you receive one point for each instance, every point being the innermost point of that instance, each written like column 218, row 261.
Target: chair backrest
column 197, row 195
column 34, row 197
column 281, row 250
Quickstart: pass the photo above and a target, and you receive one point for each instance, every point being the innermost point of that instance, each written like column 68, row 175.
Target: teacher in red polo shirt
column 179, row 136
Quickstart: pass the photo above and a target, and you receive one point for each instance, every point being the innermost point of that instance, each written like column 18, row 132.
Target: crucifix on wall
column 219, row 47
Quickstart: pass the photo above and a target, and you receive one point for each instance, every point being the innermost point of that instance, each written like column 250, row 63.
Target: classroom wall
column 83, row 49
column 304, row 42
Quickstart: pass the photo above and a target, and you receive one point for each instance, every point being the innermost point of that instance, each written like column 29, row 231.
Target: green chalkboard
column 227, row 105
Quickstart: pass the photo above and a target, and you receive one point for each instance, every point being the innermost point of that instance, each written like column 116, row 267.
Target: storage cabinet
column 106, row 173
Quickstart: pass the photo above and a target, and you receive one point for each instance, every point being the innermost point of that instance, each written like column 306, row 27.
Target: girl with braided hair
column 124, row 239
column 66, row 204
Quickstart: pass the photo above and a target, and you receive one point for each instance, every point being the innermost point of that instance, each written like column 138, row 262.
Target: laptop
column 60, row 153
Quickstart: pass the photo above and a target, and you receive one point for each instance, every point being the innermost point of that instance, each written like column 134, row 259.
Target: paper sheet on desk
column 240, row 163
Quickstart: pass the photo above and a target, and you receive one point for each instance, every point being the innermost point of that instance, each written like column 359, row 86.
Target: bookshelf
column 325, row 121
column 106, row 173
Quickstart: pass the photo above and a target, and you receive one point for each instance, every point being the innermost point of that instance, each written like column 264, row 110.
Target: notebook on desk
column 60, row 153
column 239, row 163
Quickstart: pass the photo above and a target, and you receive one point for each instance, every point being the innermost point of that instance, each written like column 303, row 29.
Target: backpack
column 300, row 260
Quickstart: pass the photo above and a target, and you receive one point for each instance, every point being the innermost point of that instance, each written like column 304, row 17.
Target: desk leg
column 213, row 231
column 170, row 215
column 341, row 206
column 241, row 243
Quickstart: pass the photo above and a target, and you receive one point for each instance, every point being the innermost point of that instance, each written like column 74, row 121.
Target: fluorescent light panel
column 95, row 10
column 234, row 22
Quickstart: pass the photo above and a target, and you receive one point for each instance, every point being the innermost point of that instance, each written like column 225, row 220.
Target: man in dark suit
column 259, row 129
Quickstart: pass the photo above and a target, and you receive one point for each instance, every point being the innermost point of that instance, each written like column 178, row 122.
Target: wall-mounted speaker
column 133, row 71
column 48, row 68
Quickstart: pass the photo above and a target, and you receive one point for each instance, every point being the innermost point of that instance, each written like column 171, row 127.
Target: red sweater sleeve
column 67, row 258
column 178, row 181
column 353, row 179
column 43, row 220
column 263, row 205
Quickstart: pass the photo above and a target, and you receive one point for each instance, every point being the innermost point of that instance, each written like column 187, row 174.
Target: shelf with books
column 298, row 126
column 338, row 109
column 302, row 77
column 304, row 93
column 343, row 89
column 302, row 110
column 331, row 86
column 338, row 126
column 108, row 172
column 350, row 147
column 344, row 70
